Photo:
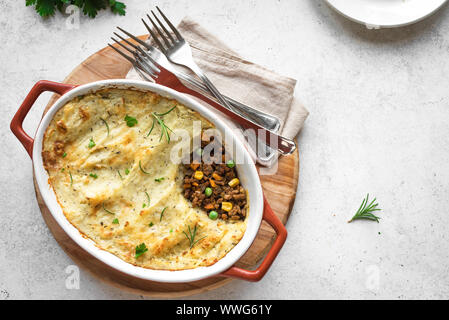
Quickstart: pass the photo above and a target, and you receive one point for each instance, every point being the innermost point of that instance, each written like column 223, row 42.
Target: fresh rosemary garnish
column 71, row 178
column 130, row 121
column 140, row 166
column 91, row 143
column 118, row 171
column 165, row 113
column 106, row 124
column 110, row 212
column 162, row 213
column 366, row 211
column 191, row 237
column 141, row 249
column 152, row 127
column 164, row 129
column 148, row 198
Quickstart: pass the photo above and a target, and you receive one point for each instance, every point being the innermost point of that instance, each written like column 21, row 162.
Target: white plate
column 377, row 14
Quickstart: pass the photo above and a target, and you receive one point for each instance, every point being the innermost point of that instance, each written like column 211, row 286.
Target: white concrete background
column 378, row 123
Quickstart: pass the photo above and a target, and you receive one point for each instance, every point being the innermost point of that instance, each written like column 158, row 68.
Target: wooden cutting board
column 280, row 190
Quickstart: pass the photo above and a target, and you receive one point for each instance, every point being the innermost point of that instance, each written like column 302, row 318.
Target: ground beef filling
column 214, row 185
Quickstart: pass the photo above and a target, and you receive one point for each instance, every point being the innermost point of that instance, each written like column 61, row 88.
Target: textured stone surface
column 378, row 123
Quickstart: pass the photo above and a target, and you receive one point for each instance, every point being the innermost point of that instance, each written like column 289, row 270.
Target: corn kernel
column 234, row 182
column 194, row 166
column 198, row 175
column 216, row 176
column 226, row 206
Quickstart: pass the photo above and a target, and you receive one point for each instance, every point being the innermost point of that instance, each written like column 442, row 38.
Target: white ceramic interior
column 247, row 173
column 386, row 13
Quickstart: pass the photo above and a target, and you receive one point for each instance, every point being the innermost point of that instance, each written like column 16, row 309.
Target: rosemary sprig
column 191, row 237
column 119, row 174
column 106, row 124
column 141, row 169
column 148, row 197
column 71, row 178
column 152, row 127
column 366, row 211
column 164, row 128
column 110, row 212
column 165, row 113
column 162, row 214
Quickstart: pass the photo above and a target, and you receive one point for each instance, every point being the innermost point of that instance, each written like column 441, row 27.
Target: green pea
column 230, row 164
column 213, row 215
column 208, row 191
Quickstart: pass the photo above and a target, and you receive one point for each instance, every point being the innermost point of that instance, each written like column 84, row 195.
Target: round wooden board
column 280, row 190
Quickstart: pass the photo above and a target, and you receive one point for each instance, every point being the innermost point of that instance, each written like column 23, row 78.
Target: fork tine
column 148, row 67
column 123, row 46
column 163, row 27
column 159, row 31
column 158, row 43
column 172, row 27
column 129, row 43
column 133, row 61
column 123, row 54
column 143, row 43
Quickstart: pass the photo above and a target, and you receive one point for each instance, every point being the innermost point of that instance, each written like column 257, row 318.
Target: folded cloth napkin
column 243, row 80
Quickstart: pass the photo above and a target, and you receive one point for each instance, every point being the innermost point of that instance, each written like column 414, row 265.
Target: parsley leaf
column 130, row 121
column 141, row 249
column 47, row 8
column 91, row 143
column 93, row 175
column 115, row 221
column 117, row 7
column 159, row 179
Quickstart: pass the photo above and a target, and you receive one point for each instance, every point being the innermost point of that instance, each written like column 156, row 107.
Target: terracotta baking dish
column 259, row 209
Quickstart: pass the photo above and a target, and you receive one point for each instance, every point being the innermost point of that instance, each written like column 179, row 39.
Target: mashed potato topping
column 117, row 185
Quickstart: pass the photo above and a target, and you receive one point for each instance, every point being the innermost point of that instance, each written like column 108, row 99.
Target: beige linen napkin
column 243, row 80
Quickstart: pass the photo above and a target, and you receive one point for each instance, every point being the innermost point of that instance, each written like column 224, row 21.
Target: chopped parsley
column 159, row 179
column 126, row 171
column 130, row 121
column 151, row 224
column 91, row 143
column 115, row 221
column 64, row 154
column 144, row 205
column 93, row 175
column 141, row 249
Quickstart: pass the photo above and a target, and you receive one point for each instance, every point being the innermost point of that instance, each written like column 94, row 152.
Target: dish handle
column 17, row 122
column 281, row 232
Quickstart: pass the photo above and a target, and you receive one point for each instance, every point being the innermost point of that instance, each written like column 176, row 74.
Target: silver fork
column 178, row 51
column 266, row 120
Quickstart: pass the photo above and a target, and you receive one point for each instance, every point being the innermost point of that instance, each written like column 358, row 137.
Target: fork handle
column 197, row 70
column 266, row 120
